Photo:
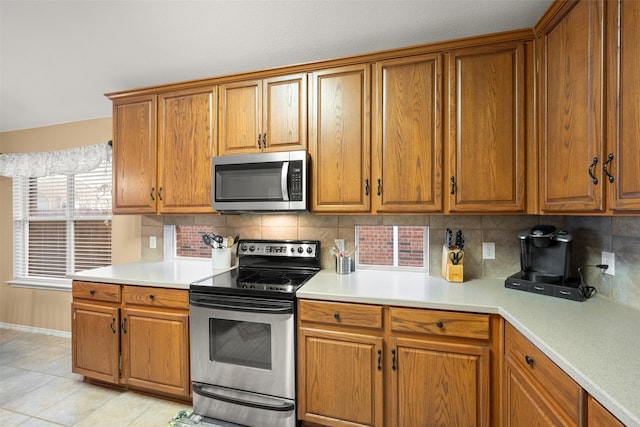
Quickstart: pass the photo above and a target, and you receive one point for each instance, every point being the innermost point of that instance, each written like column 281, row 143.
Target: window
column 392, row 247
column 61, row 225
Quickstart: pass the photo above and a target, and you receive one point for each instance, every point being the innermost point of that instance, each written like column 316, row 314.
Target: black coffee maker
column 545, row 256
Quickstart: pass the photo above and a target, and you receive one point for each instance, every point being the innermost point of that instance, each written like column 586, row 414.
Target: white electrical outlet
column 609, row 258
column 488, row 250
column 152, row 242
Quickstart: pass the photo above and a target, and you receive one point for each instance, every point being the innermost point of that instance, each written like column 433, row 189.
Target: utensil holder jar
column 343, row 265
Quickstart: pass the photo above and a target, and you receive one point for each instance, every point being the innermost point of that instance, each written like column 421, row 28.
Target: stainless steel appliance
column 243, row 338
column 260, row 182
column 545, row 255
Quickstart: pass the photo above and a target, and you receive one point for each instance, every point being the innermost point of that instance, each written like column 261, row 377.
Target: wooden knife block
column 449, row 271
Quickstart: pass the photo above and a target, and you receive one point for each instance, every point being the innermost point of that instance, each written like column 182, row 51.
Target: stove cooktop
column 267, row 268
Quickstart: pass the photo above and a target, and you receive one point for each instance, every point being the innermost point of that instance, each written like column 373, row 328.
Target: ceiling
column 59, row 58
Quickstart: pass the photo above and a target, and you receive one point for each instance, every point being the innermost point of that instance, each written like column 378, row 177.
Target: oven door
column 243, row 343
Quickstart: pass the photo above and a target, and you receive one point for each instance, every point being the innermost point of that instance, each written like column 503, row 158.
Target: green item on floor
column 182, row 419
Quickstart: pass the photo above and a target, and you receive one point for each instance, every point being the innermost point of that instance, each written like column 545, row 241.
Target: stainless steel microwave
column 260, row 182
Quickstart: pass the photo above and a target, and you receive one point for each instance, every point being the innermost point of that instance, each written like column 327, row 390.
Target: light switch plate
column 488, row 250
column 152, row 242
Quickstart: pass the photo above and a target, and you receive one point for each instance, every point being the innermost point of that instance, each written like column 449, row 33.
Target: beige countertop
column 597, row 342
column 165, row 274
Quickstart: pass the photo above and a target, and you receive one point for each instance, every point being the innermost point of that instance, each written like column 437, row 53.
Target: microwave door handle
column 283, row 181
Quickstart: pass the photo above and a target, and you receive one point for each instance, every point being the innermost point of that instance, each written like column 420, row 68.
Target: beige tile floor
column 38, row 389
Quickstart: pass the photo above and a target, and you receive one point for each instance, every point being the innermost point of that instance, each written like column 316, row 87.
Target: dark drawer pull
column 336, row 316
column 92, row 292
column 152, row 297
column 528, row 359
column 440, row 325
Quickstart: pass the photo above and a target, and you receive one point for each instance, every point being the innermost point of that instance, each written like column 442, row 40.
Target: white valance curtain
column 59, row 162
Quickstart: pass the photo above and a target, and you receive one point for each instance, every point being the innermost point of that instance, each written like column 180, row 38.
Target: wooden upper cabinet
column 623, row 106
column 408, row 130
column 490, row 95
column 571, row 108
column 186, row 143
column 263, row 115
column 134, row 155
column 340, row 140
column 284, row 123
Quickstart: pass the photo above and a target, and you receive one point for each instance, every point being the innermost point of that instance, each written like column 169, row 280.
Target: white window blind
column 62, row 224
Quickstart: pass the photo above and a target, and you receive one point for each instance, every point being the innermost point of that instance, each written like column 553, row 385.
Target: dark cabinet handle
column 113, row 325
column 606, row 165
column 152, row 297
column 595, row 162
column 453, row 185
column 124, row 325
column 92, row 292
column 366, row 187
column 379, row 359
column 264, row 140
column 160, row 193
column 336, row 316
column 153, row 192
column 393, row 360
column 379, row 186
column 259, row 137
column 528, row 359
column 439, row 325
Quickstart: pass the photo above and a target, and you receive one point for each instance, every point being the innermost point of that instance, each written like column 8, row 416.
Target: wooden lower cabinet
column 598, row 416
column 444, row 383
column 155, row 355
column 371, row 365
column 340, row 378
column 132, row 336
column 95, row 341
column 537, row 392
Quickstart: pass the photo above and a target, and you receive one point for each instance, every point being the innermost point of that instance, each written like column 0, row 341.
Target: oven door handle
column 238, row 306
column 283, row 407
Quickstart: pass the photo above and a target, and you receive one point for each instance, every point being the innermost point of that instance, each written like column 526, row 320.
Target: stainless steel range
column 243, row 336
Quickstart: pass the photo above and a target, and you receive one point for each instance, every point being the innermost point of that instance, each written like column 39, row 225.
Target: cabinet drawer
column 344, row 314
column 443, row 323
column 156, row 297
column 565, row 392
column 96, row 291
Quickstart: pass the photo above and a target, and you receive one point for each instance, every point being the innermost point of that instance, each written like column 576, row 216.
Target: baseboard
column 35, row 330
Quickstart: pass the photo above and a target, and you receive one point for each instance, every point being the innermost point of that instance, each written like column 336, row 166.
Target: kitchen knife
column 459, row 240
column 448, row 234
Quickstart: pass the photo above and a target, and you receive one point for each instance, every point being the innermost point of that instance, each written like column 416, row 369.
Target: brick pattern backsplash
column 375, row 244
column 411, row 246
column 189, row 241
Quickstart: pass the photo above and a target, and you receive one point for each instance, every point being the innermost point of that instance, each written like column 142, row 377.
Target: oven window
column 240, row 343
column 249, row 182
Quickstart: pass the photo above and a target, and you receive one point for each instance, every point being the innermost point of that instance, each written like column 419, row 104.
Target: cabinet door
column 340, row 139
column 446, row 382
column 623, row 106
column 156, row 351
column 340, row 378
column 571, row 126
column 134, row 155
column 284, row 125
column 185, row 147
column 95, row 340
column 486, row 145
column 526, row 406
column 407, row 143
column 598, row 416
column 240, row 117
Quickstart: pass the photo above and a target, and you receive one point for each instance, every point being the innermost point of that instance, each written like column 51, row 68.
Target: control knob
column 300, row 250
